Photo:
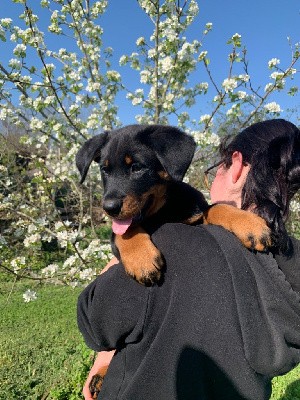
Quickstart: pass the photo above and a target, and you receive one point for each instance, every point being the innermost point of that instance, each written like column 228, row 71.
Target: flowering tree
column 167, row 60
column 63, row 97
column 59, row 98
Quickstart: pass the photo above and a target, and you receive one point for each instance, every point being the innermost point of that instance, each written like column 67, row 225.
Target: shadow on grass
column 292, row 392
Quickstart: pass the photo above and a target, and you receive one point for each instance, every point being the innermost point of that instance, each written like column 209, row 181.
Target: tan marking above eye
column 128, row 160
column 106, row 163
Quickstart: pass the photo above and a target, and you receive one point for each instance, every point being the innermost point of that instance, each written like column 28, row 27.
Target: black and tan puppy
column 142, row 167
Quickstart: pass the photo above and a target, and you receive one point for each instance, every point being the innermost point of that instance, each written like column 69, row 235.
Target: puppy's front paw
column 251, row 229
column 95, row 385
column 146, row 265
column 141, row 259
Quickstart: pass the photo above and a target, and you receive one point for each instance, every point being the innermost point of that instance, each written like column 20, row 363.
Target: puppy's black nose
column 112, row 206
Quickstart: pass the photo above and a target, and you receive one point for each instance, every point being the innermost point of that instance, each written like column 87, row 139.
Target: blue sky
column 263, row 24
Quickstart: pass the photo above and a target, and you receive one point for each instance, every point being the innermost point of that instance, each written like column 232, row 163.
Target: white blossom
column 203, row 86
column 185, row 51
column 140, row 41
column 151, row 53
column 20, row 50
column 194, row 8
column 15, row 63
column 206, row 138
column 202, row 55
column 18, row 263
column 58, row 225
column 113, row 75
column 205, row 118
column 93, row 86
column 268, row 87
column 236, row 36
column 167, row 64
column 57, row 127
column 75, row 76
column 29, row 295
column 273, row 62
column 145, row 76
column 32, row 239
column 244, row 77
column 6, row 22
column 123, row 60
column 276, row 75
column 136, row 100
column 36, row 124
column 229, row 84
column 273, row 107
column 70, row 261
column 26, row 79
column 241, row 94
column 4, row 112
column 87, row 274
column 50, row 270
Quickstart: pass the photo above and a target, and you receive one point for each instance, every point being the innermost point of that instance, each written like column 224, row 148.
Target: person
column 225, row 320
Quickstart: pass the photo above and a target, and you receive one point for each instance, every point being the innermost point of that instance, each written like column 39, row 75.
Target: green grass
column 43, row 357
column 287, row 387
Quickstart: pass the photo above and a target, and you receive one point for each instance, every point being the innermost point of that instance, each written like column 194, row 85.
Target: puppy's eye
column 136, row 167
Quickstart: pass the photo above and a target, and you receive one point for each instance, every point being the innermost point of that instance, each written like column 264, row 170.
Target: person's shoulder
column 181, row 229
column 179, row 234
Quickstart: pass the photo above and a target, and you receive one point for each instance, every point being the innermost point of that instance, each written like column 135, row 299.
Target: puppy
column 142, row 167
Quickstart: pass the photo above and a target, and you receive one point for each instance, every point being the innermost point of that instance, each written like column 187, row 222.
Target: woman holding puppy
column 225, row 320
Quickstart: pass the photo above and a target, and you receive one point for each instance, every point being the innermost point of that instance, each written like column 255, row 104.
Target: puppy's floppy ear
column 174, row 148
column 90, row 151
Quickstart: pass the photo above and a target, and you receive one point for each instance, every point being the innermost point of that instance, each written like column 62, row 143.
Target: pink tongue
column 120, row 227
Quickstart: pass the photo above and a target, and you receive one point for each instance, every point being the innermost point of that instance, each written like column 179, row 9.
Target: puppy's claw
column 256, row 240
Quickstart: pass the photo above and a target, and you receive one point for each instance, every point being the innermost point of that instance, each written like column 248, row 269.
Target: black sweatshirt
column 222, row 324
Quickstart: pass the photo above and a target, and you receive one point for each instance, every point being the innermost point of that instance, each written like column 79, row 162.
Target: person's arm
column 110, row 312
column 103, row 358
column 101, row 362
column 110, row 309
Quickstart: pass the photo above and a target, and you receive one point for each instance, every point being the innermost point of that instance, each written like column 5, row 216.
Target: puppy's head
column 136, row 162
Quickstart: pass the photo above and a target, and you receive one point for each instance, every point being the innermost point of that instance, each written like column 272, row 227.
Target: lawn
column 42, row 355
